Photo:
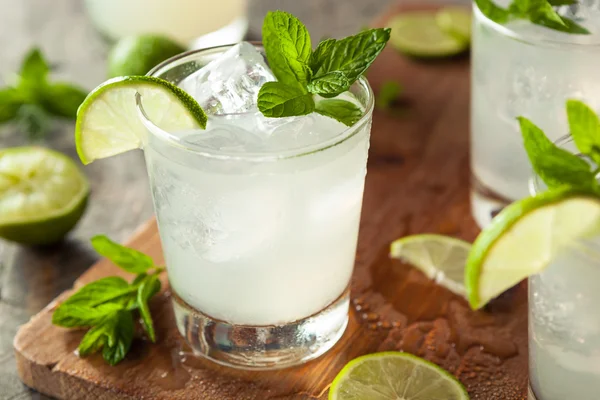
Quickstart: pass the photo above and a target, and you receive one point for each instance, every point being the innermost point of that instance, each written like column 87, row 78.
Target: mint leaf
column 112, row 289
column 330, row 84
column 10, row 101
column 584, row 125
column 71, row 315
column 119, row 338
column 62, row 99
column 277, row 100
column 351, row 56
column 493, row 12
column 388, row 93
column 34, row 71
column 33, row 120
column 127, row 259
column 288, row 48
column 555, row 166
column 562, row 2
column 148, row 288
column 344, row 111
column 567, row 26
column 113, row 335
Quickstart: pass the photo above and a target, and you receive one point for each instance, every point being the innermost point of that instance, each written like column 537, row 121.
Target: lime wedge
column 418, row 34
column 108, row 121
column 440, row 258
column 136, row 55
column 455, row 21
column 42, row 195
column 524, row 238
column 395, row 375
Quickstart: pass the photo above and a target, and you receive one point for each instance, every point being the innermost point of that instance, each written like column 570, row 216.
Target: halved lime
column 524, row 238
column 439, row 257
column 42, row 195
column 455, row 21
column 418, row 34
column 108, row 121
column 136, row 55
column 392, row 376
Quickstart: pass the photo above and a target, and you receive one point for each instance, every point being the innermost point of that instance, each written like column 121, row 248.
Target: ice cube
column 230, row 83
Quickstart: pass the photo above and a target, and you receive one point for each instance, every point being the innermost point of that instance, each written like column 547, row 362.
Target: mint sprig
column 108, row 305
column 558, row 167
column 327, row 72
column 539, row 12
column 33, row 99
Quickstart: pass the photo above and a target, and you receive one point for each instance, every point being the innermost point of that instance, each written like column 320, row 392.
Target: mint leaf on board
column 111, row 289
column 388, row 93
column 344, row 111
column 276, row 100
column 113, row 335
column 584, row 125
column 119, row 338
column 10, row 102
column 351, row 55
column 287, row 45
column 129, row 260
column 148, row 288
column 555, row 166
column 330, row 84
column 72, row 315
column 62, row 99
column 562, row 2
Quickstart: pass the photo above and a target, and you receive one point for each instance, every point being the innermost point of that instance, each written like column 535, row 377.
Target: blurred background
column 75, row 37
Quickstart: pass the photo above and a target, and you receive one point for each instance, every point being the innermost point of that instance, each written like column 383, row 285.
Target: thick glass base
column 262, row 347
column 485, row 203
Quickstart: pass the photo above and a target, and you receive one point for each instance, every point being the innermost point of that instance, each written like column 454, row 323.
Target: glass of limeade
column 198, row 22
column 564, row 322
column 258, row 217
column 524, row 69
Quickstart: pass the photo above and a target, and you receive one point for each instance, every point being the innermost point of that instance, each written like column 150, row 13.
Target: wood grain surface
column 418, row 179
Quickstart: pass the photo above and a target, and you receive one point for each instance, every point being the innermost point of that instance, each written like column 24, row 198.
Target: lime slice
column 42, row 195
column 108, row 120
column 395, row 375
column 418, row 34
column 455, row 21
column 524, row 238
column 136, row 55
column 440, row 258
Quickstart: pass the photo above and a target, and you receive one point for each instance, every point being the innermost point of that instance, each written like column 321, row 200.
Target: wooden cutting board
column 418, row 181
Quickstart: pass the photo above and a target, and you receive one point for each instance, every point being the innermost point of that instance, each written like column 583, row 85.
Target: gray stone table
column 30, row 278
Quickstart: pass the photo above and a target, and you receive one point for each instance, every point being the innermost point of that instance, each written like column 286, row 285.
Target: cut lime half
column 525, row 237
column 395, row 375
column 42, row 195
column 455, row 21
column 109, row 123
column 418, row 34
column 439, row 257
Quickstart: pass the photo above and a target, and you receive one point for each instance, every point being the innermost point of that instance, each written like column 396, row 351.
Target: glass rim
column 524, row 38
column 176, row 141
column 535, row 182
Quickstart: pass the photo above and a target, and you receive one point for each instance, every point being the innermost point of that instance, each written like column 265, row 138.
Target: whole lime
column 136, row 55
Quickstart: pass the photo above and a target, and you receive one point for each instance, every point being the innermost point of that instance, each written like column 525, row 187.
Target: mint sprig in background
column 33, row 99
column 328, row 71
column 558, row 167
column 539, row 12
column 108, row 305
